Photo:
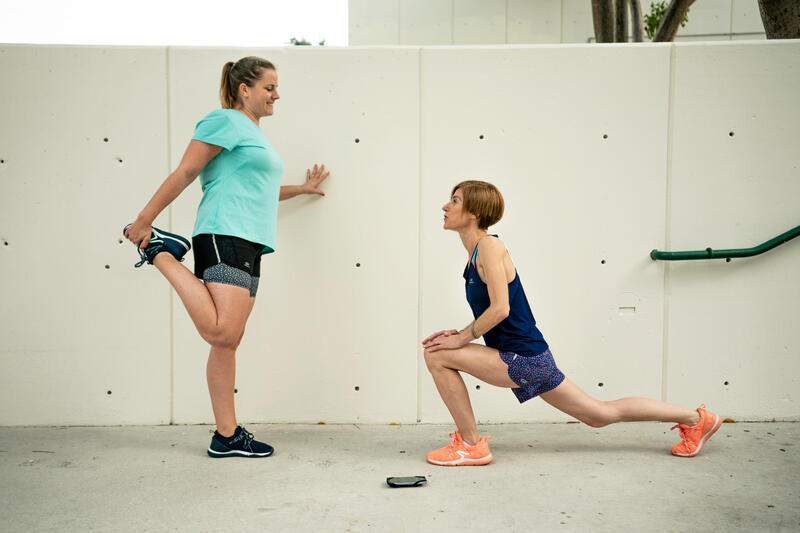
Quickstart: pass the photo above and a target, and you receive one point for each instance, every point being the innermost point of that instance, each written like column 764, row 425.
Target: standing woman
column 241, row 177
column 516, row 355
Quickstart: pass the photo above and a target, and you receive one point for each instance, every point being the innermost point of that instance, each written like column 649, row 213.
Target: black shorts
column 210, row 251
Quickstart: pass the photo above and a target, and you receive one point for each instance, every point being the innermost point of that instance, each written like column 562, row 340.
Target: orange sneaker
column 459, row 453
column 695, row 437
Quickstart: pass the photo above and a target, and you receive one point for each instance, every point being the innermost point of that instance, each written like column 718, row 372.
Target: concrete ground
column 545, row 477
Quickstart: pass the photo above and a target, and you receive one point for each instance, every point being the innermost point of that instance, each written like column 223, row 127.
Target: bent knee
column 603, row 416
column 434, row 359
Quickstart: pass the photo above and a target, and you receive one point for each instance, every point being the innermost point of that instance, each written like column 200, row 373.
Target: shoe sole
column 236, row 453
column 714, row 428
column 463, row 461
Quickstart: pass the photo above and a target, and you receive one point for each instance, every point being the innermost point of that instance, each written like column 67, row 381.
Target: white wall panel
column 479, row 22
column 576, row 21
column 73, row 329
column 582, row 213
column 746, row 19
column 322, row 326
column 735, row 184
column 426, row 22
column 83, row 143
column 533, row 22
column 707, row 20
column 373, row 22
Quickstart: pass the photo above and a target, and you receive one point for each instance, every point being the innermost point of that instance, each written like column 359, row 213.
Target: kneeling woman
column 516, row 355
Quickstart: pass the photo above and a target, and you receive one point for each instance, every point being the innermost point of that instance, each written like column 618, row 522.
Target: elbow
column 503, row 312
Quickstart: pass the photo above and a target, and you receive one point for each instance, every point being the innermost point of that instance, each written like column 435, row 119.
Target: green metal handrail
column 708, row 253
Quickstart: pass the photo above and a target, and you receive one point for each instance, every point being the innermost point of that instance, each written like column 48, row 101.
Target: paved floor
column 545, row 477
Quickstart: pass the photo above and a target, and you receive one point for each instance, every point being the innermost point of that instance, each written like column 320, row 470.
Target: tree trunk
column 636, row 21
column 621, row 21
column 781, row 18
column 672, row 20
column 603, row 18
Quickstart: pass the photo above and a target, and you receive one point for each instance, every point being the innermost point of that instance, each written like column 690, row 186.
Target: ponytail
column 226, row 96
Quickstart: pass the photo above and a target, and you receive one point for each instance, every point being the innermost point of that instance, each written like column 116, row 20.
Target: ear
column 243, row 89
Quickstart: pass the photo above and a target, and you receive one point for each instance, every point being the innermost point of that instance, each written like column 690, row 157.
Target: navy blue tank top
column 517, row 332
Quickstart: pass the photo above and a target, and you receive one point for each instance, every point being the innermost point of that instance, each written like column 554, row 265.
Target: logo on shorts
column 246, row 264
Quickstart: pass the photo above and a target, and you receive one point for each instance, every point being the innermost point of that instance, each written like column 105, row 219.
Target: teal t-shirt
column 242, row 184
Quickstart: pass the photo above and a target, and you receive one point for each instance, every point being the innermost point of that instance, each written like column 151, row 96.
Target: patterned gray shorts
column 229, row 275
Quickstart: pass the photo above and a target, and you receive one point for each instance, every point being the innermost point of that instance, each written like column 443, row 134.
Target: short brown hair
column 483, row 200
column 247, row 70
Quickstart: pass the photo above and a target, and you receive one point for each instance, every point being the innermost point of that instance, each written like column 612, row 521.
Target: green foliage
column 303, row 42
column 653, row 19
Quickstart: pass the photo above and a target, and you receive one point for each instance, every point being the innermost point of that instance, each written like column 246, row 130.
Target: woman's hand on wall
column 314, row 179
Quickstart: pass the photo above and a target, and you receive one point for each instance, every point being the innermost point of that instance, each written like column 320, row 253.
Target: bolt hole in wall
column 356, row 388
column 105, row 139
column 108, row 392
column 5, row 242
column 358, row 264
column 602, row 261
column 358, row 140
column 600, row 384
column 605, row 136
column 726, row 383
column 477, row 387
column 236, row 391
column 2, row 161
column 730, row 134
column 480, row 137
column 108, row 267
column 119, row 160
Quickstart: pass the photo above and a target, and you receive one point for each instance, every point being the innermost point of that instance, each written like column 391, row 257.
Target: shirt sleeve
column 218, row 129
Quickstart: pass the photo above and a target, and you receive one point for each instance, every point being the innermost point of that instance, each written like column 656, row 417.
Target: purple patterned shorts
column 534, row 375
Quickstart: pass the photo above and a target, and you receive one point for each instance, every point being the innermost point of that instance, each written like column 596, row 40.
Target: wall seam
column 668, row 224
column 399, row 27
column 506, row 27
column 171, row 295
column 419, row 231
column 730, row 30
column 452, row 30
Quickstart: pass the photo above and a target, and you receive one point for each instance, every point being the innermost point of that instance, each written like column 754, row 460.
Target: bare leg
column 221, row 377
column 219, row 313
column 572, row 400
column 215, row 324
column 480, row 361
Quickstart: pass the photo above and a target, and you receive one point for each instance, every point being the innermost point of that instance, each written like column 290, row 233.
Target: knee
column 223, row 339
column 604, row 415
column 433, row 360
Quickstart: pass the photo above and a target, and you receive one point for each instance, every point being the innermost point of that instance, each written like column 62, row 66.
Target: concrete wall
column 602, row 153
column 482, row 22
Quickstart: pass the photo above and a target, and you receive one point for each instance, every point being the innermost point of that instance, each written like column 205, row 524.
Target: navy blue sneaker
column 240, row 444
column 162, row 241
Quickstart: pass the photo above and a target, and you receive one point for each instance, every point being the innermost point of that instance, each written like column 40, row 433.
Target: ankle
column 471, row 439
column 693, row 420
column 226, row 431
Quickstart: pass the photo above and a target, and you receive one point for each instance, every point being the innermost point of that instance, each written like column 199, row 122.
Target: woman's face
column 260, row 98
column 455, row 216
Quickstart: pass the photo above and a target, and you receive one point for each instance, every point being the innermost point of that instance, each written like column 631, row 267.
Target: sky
column 173, row 22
